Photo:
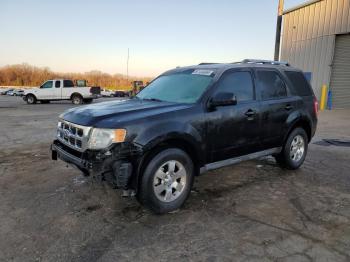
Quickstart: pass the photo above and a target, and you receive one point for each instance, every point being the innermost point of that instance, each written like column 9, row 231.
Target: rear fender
column 298, row 119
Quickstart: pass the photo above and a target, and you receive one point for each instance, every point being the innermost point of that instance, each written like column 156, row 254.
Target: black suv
column 187, row 121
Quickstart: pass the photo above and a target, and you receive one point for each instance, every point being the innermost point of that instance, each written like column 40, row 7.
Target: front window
column 238, row 83
column 48, row 84
column 182, row 87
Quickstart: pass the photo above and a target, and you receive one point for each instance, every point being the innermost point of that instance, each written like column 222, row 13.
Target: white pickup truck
column 61, row 89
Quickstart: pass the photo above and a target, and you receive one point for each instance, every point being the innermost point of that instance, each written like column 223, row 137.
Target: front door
column 234, row 130
column 45, row 91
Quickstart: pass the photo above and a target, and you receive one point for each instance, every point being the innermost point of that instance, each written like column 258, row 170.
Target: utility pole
column 127, row 66
column 278, row 30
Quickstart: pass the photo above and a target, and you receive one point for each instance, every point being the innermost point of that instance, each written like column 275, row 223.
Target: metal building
column 316, row 38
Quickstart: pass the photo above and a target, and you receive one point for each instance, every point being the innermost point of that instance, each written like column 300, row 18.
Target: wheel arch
column 155, row 147
column 31, row 94
column 76, row 94
column 303, row 123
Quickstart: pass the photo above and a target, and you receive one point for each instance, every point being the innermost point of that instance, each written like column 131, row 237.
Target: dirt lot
column 254, row 211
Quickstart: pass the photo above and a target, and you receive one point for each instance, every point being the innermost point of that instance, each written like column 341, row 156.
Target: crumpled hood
column 110, row 114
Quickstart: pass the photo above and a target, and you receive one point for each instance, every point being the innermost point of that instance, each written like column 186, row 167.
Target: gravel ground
column 253, row 211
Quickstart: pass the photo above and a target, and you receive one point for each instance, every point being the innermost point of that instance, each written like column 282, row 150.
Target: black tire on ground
column 285, row 158
column 31, row 99
column 77, row 99
column 88, row 101
column 147, row 190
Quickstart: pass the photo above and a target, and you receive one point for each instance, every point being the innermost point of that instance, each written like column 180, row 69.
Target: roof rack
column 208, row 63
column 264, row 62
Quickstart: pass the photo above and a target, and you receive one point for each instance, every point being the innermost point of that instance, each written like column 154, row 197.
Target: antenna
column 127, row 66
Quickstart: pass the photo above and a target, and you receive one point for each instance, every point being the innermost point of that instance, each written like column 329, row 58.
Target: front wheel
column 294, row 150
column 31, row 99
column 167, row 181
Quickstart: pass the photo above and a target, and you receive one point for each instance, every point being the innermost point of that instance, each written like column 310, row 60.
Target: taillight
column 316, row 106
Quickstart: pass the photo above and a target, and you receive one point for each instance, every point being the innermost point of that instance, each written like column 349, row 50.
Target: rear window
column 68, row 83
column 271, row 85
column 300, row 86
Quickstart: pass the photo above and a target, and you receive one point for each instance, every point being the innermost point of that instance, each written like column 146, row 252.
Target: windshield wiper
column 153, row 99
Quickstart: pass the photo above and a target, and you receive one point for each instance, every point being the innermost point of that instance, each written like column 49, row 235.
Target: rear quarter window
column 300, row 86
column 68, row 83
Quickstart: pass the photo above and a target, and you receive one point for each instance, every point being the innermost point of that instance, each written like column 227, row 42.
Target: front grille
column 73, row 135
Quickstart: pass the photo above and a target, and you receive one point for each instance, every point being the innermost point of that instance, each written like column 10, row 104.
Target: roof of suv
column 220, row 67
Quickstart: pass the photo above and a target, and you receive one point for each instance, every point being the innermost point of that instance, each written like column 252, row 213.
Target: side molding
column 235, row 160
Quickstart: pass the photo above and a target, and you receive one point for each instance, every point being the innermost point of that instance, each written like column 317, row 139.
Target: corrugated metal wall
column 340, row 77
column 308, row 37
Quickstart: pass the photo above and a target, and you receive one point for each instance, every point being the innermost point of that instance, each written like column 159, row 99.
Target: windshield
column 183, row 87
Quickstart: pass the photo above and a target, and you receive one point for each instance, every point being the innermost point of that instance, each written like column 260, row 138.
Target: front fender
column 155, row 135
column 161, row 132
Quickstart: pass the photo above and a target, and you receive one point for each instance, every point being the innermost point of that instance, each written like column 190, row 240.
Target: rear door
column 276, row 105
column 57, row 94
column 234, row 130
column 67, row 89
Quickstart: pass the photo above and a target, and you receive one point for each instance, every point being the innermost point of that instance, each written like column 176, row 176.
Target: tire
column 88, row 101
column 294, row 150
column 77, row 99
column 163, row 192
column 31, row 99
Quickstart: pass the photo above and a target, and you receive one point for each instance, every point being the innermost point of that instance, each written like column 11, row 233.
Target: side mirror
column 223, row 99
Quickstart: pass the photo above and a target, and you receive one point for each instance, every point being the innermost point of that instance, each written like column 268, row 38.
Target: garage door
column 340, row 78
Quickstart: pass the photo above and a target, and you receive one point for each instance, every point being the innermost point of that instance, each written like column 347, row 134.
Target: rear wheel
column 294, row 150
column 77, row 99
column 31, row 99
column 167, row 181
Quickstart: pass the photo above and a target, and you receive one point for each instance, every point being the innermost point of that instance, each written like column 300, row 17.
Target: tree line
column 28, row 75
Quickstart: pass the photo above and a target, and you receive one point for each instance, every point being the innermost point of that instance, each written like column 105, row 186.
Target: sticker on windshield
column 202, row 72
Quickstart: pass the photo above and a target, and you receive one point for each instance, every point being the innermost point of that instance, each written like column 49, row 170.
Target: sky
column 85, row 35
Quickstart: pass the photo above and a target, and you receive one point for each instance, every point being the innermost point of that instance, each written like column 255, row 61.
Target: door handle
column 289, row 107
column 250, row 113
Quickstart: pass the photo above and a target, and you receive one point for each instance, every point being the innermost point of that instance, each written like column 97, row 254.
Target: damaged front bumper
column 114, row 164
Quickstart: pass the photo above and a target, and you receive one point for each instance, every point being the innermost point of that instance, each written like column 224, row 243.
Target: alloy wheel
column 169, row 181
column 297, row 148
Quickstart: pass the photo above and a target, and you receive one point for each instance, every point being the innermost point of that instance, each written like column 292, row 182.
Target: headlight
column 102, row 138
